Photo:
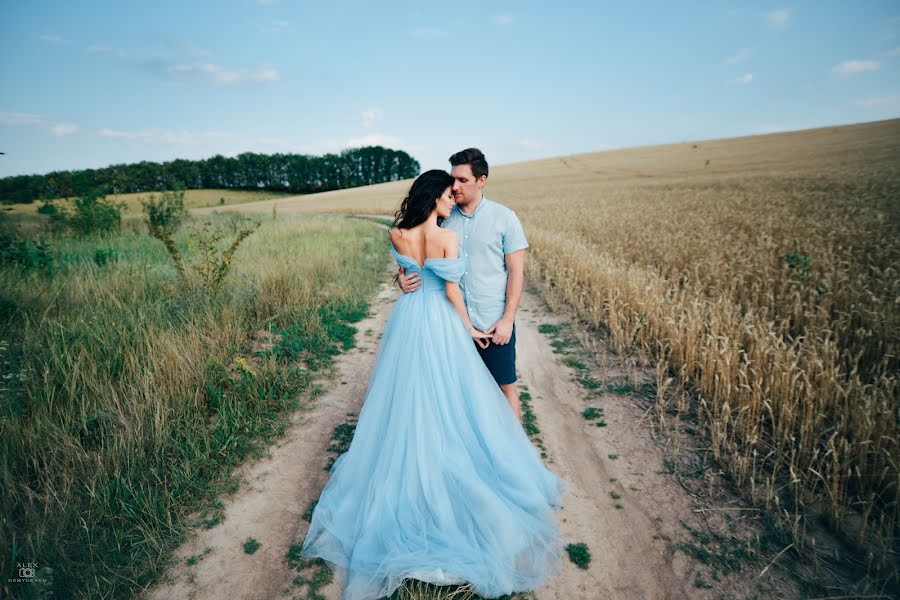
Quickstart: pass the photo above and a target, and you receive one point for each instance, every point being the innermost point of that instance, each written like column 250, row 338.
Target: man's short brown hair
column 472, row 157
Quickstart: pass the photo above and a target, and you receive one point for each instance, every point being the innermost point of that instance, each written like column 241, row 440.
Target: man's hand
column 408, row 283
column 502, row 331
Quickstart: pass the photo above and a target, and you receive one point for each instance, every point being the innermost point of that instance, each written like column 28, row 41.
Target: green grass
column 723, row 553
column 579, row 554
column 342, row 437
column 574, row 355
column 573, row 362
column 312, row 573
column 592, row 412
column 550, row 329
column 529, row 419
column 307, row 516
column 251, row 546
column 127, row 399
column 621, row 388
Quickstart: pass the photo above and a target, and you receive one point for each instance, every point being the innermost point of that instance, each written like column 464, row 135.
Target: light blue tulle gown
column 440, row 482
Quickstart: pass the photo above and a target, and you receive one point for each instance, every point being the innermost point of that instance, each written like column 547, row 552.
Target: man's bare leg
column 512, row 396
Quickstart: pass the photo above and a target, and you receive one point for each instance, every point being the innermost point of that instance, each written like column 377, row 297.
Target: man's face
column 466, row 188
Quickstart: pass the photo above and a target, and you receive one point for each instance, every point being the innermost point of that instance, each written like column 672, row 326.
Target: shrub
column 167, row 212
column 579, row 554
column 25, row 253
column 213, row 264
column 47, row 207
column 94, row 213
column 104, row 255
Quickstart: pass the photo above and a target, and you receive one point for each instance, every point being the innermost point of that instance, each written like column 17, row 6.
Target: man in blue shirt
column 493, row 242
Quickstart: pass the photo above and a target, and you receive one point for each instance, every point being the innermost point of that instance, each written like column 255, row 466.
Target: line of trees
column 295, row 173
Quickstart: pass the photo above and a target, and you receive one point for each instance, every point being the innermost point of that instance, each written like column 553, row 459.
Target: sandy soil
column 632, row 547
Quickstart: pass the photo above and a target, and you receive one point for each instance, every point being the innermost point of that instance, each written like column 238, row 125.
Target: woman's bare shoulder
column 448, row 234
column 449, row 243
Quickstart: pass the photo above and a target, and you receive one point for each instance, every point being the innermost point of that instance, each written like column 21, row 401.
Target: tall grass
column 126, row 397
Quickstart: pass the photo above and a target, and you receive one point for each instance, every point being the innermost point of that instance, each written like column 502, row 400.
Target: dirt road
column 622, row 503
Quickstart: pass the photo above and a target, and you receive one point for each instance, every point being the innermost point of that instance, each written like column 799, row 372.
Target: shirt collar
column 481, row 204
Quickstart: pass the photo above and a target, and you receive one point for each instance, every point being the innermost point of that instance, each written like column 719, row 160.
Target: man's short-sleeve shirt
column 485, row 238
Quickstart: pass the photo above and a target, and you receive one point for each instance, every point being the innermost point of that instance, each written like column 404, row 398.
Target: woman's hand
column 481, row 338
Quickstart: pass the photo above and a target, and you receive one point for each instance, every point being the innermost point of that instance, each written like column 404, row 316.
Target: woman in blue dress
column 440, row 482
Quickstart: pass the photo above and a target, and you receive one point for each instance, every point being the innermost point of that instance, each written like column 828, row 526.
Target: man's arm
column 515, row 283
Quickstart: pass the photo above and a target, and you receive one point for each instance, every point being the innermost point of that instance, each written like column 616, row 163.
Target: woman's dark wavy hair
column 422, row 197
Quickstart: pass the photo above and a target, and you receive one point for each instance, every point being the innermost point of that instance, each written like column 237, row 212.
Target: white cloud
column 852, row 67
column 370, row 117
column 876, row 102
column 50, row 37
column 374, row 139
column 428, row 33
column 20, row 119
column 502, row 20
column 778, row 19
column 181, row 62
column 57, row 129
column 210, row 73
column 61, row 129
column 167, row 137
column 744, row 79
column 741, row 56
column 894, row 52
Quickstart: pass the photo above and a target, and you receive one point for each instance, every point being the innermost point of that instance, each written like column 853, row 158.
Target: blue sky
column 90, row 83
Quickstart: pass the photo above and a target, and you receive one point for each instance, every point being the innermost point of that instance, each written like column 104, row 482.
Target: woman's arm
column 456, row 299
column 451, row 250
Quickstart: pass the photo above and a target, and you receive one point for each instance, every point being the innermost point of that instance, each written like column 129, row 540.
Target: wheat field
column 760, row 270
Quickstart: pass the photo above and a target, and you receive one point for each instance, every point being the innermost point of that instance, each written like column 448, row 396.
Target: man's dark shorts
column 501, row 359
